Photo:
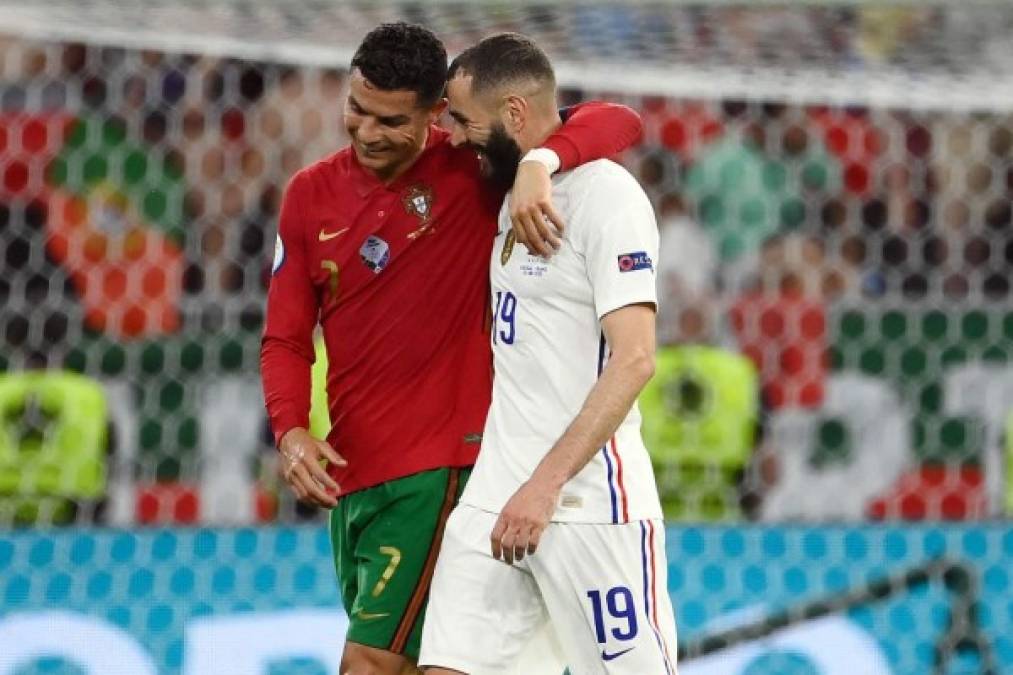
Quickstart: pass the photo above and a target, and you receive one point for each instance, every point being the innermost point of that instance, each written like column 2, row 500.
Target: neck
column 538, row 130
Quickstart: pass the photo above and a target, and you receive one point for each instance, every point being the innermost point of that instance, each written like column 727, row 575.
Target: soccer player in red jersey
column 386, row 245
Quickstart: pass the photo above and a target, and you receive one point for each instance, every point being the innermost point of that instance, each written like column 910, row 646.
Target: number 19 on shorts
column 504, row 328
column 617, row 614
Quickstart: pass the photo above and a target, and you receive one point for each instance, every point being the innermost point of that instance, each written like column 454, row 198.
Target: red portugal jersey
column 397, row 276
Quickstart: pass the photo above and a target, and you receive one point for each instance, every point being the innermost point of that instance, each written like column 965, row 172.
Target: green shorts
column 385, row 541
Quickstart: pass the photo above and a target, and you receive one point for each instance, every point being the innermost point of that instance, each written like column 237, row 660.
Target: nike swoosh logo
column 370, row 616
column 605, row 656
column 325, row 236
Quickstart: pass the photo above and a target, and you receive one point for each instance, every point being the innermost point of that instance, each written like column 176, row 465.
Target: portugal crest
column 418, row 201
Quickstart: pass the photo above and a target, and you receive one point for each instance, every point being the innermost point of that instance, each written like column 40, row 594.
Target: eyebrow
column 389, row 120
column 461, row 119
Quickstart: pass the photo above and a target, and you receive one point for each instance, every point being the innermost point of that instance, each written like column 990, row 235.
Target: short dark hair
column 403, row 56
column 502, row 59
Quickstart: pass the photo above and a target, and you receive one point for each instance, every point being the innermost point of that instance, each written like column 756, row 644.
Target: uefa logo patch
column 638, row 260
column 375, row 253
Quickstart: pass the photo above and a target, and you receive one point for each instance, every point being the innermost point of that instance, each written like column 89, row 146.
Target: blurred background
column 832, row 417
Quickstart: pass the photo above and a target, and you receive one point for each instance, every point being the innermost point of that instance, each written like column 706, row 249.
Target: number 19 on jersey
column 504, row 328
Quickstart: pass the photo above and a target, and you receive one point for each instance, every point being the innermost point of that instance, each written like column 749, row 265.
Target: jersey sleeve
column 286, row 352
column 616, row 232
column 594, row 130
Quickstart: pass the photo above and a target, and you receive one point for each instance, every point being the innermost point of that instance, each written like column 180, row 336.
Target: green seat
column 700, row 416
column 911, row 347
column 53, row 443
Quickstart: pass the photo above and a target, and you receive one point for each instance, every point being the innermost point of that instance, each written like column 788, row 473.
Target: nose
column 367, row 132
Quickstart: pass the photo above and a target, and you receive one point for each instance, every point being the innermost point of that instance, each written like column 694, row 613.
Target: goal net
column 832, row 182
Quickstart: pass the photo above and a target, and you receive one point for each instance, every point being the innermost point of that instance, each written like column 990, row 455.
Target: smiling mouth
column 372, row 151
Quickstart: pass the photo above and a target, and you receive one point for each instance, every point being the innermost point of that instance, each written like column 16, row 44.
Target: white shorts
column 603, row 587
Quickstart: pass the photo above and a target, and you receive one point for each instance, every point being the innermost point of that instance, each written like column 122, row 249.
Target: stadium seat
column 934, row 492
column 167, row 503
column 54, row 438
column 124, row 416
column 984, row 390
column 1008, row 448
column 833, row 460
column 231, row 419
column 700, row 415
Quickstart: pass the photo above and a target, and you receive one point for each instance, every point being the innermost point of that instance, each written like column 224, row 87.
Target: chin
column 378, row 164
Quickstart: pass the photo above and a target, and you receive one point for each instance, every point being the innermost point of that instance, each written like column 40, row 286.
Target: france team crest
column 508, row 247
column 375, row 253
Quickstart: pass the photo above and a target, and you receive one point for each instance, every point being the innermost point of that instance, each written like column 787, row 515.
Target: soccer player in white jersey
column 561, row 520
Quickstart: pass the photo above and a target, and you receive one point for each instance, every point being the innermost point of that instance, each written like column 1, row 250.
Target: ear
column 514, row 113
column 436, row 110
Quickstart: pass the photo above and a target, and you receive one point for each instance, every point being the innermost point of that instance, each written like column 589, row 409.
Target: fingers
column 507, row 543
column 308, row 478
column 520, row 543
column 318, row 472
column 539, row 227
column 306, row 488
column 525, row 236
column 536, row 537
column 551, row 215
column 496, row 536
column 535, row 229
column 512, row 539
column 330, row 455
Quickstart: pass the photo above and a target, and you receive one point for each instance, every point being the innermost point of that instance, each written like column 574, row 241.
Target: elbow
column 642, row 365
column 635, row 124
column 648, row 367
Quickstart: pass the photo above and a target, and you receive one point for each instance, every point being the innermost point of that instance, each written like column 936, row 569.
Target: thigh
column 605, row 588
column 386, row 540
column 482, row 613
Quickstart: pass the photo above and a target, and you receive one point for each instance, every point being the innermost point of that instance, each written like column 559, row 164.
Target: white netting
column 833, row 182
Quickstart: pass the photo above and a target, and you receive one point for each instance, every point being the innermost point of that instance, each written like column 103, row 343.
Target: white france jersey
column 549, row 348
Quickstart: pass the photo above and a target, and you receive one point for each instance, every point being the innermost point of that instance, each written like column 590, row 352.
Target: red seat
column 167, row 503
column 934, row 492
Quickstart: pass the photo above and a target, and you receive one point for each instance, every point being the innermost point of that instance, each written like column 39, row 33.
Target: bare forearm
column 603, row 411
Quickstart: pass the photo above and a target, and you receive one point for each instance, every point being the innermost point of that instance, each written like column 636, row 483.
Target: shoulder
column 603, row 185
column 590, row 178
column 333, row 166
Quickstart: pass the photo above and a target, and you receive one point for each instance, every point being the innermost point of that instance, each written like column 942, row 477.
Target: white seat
column 879, row 426
column 984, row 390
column 231, row 419
column 122, row 483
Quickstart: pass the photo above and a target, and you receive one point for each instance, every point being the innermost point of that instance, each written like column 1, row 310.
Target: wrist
column 544, row 156
column 289, row 437
column 550, row 478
